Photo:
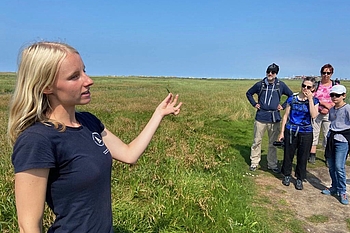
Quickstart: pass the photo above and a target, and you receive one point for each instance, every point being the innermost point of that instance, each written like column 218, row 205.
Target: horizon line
column 194, row 77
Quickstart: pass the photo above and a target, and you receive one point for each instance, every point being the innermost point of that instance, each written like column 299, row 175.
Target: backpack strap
column 317, row 84
column 264, row 87
column 295, row 100
column 278, row 88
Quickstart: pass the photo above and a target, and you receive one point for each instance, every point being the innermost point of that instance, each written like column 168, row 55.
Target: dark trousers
column 301, row 142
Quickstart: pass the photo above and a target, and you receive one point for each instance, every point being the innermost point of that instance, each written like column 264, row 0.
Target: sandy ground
column 309, row 201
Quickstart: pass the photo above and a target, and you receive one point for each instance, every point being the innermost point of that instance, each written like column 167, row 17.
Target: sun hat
column 338, row 89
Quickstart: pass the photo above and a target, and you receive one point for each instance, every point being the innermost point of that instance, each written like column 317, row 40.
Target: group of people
column 318, row 107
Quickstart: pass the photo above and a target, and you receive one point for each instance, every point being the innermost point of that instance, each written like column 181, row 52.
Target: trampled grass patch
column 318, row 218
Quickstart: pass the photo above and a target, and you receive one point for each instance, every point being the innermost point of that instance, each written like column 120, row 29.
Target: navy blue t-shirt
column 79, row 183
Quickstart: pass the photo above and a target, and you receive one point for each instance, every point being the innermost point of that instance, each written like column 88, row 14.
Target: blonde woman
column 62, row 156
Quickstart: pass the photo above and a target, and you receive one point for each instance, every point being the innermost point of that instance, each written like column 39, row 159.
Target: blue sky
column 193, row 38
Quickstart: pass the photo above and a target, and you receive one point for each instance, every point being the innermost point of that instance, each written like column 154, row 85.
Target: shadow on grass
column 118, row 229
column 314, row 181
column 238, row 133
column 240, row 136
column 244, row 151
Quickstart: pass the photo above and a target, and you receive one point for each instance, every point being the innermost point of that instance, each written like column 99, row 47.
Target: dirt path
column 308, row 202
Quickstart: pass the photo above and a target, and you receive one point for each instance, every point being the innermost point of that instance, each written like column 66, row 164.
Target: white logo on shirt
column 97, row 139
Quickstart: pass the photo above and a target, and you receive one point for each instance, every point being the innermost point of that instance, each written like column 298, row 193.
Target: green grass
column 318, row 219
column 348, row 224
column 193, row 175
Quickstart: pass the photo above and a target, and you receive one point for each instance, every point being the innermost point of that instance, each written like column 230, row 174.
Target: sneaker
column 299, row 184
column 253, row 168
column 312, row 159
column 275, row 170
column 344, row 199
column 329, row 192
column 286, row 180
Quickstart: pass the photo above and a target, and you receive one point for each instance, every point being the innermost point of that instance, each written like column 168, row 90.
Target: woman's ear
column 47, row 90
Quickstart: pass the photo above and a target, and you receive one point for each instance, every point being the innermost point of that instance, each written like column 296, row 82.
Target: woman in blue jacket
column 297, row 131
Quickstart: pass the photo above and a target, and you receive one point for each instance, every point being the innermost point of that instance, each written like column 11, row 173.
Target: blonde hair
column 37, row 70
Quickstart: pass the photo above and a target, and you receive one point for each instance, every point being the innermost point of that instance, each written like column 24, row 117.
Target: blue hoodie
column 269, row 100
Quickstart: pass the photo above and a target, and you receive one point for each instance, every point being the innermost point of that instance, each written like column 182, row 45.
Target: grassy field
column 194, row 175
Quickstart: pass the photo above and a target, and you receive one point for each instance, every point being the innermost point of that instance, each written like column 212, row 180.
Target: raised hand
column 168, row 105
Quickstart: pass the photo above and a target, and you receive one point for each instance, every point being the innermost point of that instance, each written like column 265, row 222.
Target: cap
column 273, row 67
column 338, row 89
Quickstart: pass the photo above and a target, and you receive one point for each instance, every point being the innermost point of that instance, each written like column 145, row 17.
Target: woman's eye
column 76, row 76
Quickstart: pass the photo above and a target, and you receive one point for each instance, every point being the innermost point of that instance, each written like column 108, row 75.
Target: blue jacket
column 269, row 100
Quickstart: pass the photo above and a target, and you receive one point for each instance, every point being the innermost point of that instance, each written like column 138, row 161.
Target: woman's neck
column 302, row 96
column 326, row 82
column 64, row 116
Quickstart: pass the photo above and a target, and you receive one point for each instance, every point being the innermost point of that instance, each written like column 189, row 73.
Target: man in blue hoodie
column 268, row 116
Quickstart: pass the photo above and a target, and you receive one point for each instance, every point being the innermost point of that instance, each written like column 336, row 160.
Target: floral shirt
column 322, row 93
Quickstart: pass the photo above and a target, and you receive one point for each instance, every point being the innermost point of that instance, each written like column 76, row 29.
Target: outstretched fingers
column 169, row 106
column 176, row 109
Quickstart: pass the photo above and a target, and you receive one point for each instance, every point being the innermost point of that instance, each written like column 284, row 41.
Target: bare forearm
column 284, row 122
column 313, row 109
column 140, row 143
column 29, row 229
column 30, row 192
column 326, row 104
column 283, row 125
column 130, row 153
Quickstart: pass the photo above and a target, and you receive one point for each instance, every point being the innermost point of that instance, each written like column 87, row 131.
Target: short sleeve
column 316, row 101
column 289, row 100
column 90, row 121
column 31, row 151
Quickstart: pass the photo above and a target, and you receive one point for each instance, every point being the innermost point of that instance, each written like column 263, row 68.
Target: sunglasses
column 335, row 95
column 270, row 71
column 303, row 86
column 327, row 73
